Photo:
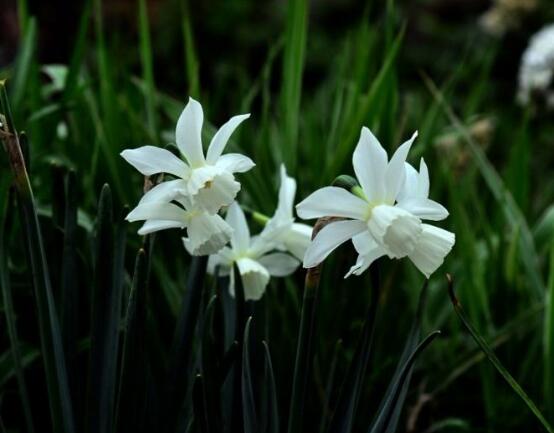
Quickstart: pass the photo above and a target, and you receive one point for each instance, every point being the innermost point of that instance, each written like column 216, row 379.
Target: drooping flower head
column 385, row 216
column 252, row 255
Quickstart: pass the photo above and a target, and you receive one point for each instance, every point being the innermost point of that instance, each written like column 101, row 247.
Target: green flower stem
column 304, row 348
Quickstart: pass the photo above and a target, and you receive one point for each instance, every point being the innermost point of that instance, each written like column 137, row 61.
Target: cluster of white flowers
column 204, row 185
column 382, row 217
column 537, row 68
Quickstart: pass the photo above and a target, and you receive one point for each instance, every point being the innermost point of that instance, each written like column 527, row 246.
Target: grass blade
column 177, row 384
column 147, row 69
column 131, row 405
column 191, row 60
column 50, row 336
column 10, row 315
column 271, row 419
column 24, row 64
column 383, row 420
column 248, row 404
column 293, row 67
column 494, row 360
column 502, row 195
column 549, row 341
column 106, row 300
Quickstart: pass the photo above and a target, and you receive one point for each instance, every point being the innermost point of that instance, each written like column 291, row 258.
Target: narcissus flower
column 208, row 180
column 293, row 237
column 385, row 215
column 161, row 210
column 252, row 256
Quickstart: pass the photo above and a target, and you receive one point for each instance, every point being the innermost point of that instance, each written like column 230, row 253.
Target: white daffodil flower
column 209, row 180
column 252, row 255
column 292, row 236
column 385, row 218
column 207, row 233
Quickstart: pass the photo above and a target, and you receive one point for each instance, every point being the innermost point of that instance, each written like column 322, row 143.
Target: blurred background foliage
column 311, row 75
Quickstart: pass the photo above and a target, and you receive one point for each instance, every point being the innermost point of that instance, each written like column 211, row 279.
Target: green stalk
column 549, row 341
column 494, row 360
column 304, row 348
column 50, row 336
column 11, row 319
column 191, row 60
column 147, row 68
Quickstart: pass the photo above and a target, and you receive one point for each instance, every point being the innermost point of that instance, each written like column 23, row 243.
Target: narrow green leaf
column 147, row 69
column 10, row 313
column 382, row 422
column 177, row 384
column 271, row 418
column 199, row 404
column 293, row 68
column 106, row 299
column 191, row 60
column 248, row 400
column 549, row 340
column 131, row 401
column 7, row 367
column 50, row 336
column 494, row 360
column 24, row 62
column 502, row 195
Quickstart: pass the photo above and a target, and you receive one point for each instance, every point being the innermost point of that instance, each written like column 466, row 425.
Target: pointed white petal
column 279, row 264
column 332, row 201
column 207, row 234
column 410, row 186
column 221, row 137
column 160, row 211
column 151, row 226
column 188, row 133
column 164, row 192
column 394, row 229
column 395, row 174
column 364, row 242
column 240, row 239
column 424, row 208
column 254, row 278
column 433, row 246
column 364, row 261
column 151, row 160
column 370, row 163
column 298, row 239
column 287, row 191
column 423, row 179
column 234, row 163
column 329, row 238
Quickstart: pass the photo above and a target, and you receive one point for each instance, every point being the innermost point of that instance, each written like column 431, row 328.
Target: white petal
column 254, row 278
column 298, row 239
column 151, row 160
column 395, row 229
column 207, row 234
column 370, row 163
column 159, row 211
column 364, row 243
column 234, row 163
column 218, row 192
column 424, row 208
column 240, row 239
column 221, row 137
column 364, row 261
column 395, row 174
column 287, row 191
column 329, row 238
column 164, row 192
column 432, row 247
column 151, row 226
column 410, row 186
column 279, row 264
column 222, row 260
column 188, row 133
column 332, row 201
column 423, row 179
